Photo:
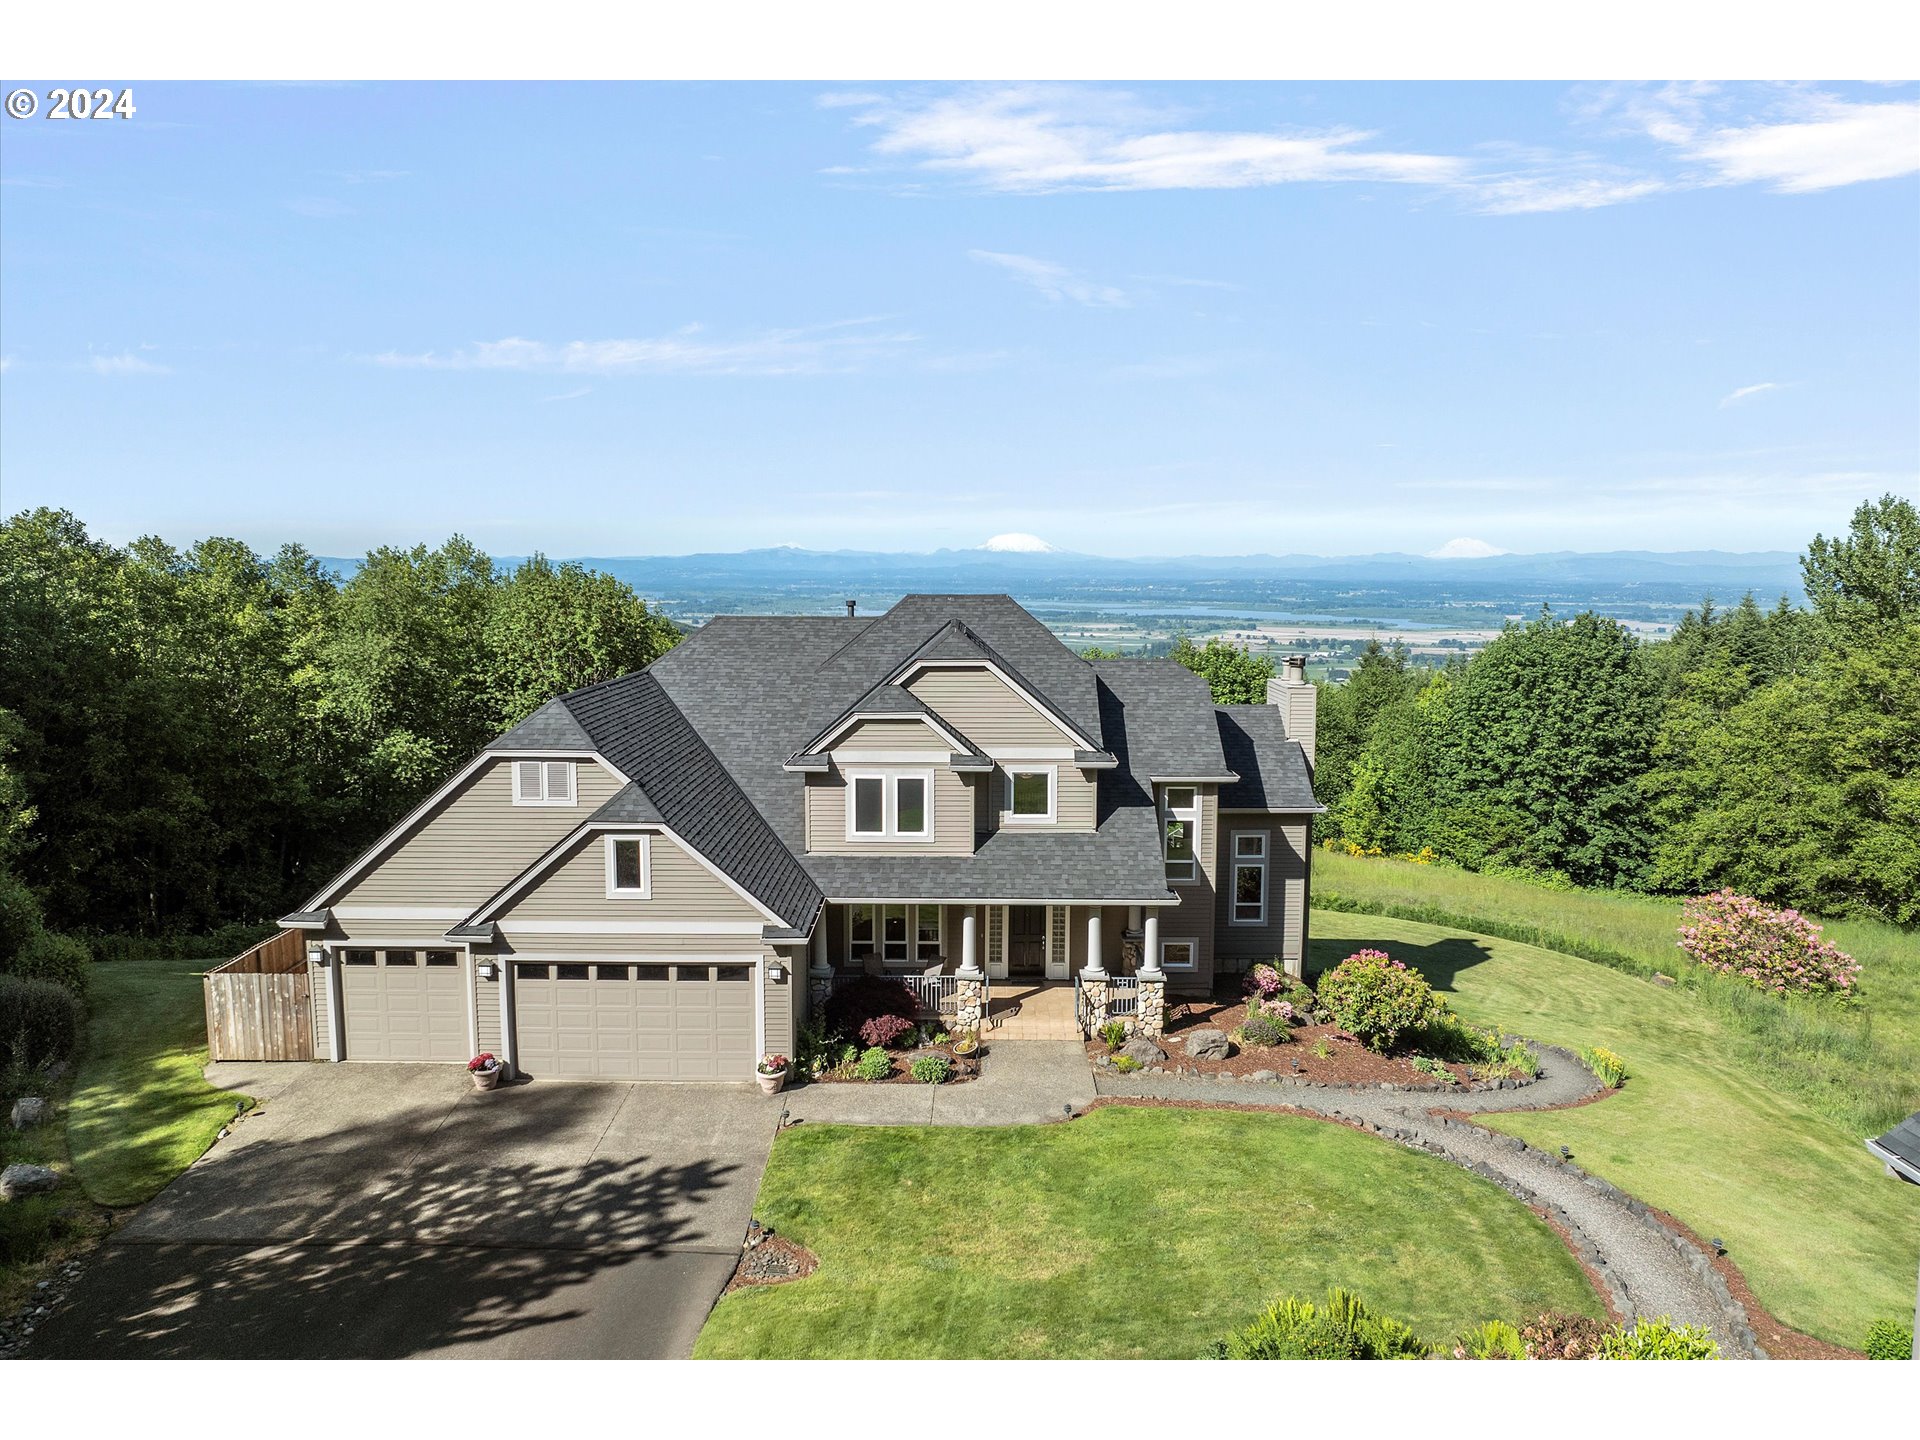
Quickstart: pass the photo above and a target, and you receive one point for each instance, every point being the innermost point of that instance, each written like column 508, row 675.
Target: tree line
column 190, row 737
column 1775, row 750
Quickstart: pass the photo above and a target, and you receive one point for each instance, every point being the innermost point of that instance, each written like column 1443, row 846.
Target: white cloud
column 125, row 363
column 822, row 349
column 1056, row 282
column 1041, row 139
column 1747, row 392
column 1053, row 138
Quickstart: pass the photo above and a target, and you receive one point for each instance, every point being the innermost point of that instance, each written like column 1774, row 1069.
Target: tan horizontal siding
column 534, row 944
column 983, row 709
column 575, row 888
column 953, row 807
column 486, row 1011
column 376, row 931
column 891, row 735
column 475, row 842
column 780, row 1008
column 1076, row 798
column 1282, row 935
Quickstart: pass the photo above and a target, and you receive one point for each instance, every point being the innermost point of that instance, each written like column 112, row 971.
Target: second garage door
column 629, row 1021
column 404, row 1004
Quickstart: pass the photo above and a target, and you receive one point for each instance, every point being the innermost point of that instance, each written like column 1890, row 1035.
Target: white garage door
column 404, row 1004
column 628, row 1021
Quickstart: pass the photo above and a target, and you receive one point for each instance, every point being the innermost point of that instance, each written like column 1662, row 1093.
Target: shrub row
column 39, row 1022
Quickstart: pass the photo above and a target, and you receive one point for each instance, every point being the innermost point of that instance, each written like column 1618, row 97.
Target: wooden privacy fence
column 260, row 1003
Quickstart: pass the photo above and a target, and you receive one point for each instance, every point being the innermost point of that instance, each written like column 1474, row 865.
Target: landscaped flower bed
column 1281, row 1029
column 871, row 1033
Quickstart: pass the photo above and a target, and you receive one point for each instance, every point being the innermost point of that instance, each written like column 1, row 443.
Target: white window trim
column 1238, row 862
column 1193, row 948
column 914, row 959
column 890, row 779
column 520, row 796
column 1192, row 818
column 615, row 891
column 1052, row 772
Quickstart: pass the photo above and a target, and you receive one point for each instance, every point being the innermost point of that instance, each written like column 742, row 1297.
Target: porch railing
column 1123, row 998
column 937, row 995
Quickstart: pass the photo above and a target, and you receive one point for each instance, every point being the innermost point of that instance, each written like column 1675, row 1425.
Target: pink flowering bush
column 1777, row 950
column 1378, row 999
column 1265, row 981
column 1281, row 1010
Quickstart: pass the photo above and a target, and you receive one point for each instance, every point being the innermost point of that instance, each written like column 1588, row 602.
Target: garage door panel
column 403, row 1010
column 637, row 1021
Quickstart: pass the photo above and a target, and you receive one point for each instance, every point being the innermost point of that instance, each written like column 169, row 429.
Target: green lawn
column 1129, row 1233
column 1828, row 1242
column 140, row 1111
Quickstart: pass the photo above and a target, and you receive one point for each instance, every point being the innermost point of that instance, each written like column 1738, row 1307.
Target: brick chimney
column 1298, row 702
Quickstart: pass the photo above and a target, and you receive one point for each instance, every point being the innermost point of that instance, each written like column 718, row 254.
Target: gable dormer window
column 889, row 804
column 1030, row 794
column 543, row 782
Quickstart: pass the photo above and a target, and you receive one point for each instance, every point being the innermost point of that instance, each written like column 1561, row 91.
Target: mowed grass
column 1127, row 1233
column 1859, row 1064
column 140, row 1110
column 1828, row 1242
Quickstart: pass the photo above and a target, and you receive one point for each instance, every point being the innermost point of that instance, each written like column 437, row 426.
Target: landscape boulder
column 1208, row 1045
column 1143, row 1052
column 18, row 1180
column 28, row 1111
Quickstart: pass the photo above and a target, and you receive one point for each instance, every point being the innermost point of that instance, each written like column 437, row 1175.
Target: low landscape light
column 1565, row 1153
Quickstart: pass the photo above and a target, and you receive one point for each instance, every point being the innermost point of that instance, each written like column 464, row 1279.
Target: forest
column 195, row 737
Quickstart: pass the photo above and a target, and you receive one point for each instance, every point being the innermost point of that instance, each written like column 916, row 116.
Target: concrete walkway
column 1648, row 1269
column 1022, row 1082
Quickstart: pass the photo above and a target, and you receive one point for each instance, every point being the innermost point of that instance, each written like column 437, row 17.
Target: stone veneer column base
column 1096, row 993
column 819, row 987
column 969, row 1005
column 1150, row 1011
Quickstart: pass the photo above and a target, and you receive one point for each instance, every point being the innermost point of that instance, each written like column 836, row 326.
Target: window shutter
column 526, row 780
column 560, row 781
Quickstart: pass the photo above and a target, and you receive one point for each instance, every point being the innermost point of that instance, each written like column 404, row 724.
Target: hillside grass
column 1130, row 1233
column 1857, row 1063
column 1827, row 1241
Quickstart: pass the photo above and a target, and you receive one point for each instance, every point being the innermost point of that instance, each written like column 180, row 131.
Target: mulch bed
column 1350, row 1063
column 773, row 1261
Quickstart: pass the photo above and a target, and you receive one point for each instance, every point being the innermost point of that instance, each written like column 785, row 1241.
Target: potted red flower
column 771, row 1072
column 485, row 1070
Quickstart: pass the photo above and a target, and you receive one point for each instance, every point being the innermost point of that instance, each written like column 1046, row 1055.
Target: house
column 653, row 878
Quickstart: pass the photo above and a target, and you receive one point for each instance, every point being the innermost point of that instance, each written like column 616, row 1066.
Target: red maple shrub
column 855, row 1007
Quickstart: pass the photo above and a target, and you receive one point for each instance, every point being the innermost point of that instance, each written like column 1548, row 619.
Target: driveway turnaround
column 382, row 1211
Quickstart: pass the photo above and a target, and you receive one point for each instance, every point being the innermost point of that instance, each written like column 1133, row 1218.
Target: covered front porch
column 1001, row 961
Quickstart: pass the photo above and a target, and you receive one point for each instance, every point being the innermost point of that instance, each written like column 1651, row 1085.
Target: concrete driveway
column 383, row 1211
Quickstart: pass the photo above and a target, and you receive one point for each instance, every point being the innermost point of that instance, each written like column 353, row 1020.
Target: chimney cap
column 850, row 605
column 1297, row 669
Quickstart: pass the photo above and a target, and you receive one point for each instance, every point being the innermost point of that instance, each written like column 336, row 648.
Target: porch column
column 1093, row 970
column 1150, row 1011
column 970, row 989
column 969, row 943
column 819, row 971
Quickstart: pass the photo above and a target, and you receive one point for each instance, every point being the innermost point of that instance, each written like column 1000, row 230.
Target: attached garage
column 404, row 1005
column 687, row 1020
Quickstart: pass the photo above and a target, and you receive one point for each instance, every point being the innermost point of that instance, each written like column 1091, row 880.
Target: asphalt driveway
column 382, row 1211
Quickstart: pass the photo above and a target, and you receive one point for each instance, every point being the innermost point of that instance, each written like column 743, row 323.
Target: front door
column 1027, row 940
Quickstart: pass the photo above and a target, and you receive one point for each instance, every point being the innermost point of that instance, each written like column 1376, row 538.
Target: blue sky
column 631, row 319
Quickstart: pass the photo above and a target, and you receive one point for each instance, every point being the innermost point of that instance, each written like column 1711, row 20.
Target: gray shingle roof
column 1900, row 1148
column 1272, row 769
column 636, row 725
column 1166, row 712
column 629, row 806
column 551, row 727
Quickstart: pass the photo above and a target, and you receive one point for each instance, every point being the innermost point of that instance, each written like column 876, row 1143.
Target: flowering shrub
column 1281, row 1010
column 1264, row 980
column 1607, row 1067
column 1378, row 999
column 1777, row 950
column 1260, row 1031
column 483, row 1061
column 772, row 1064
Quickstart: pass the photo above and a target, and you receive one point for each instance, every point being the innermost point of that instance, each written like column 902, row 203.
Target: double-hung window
column 1180, row 831
column 543, row 782
column 629, row 868
column 898, row 934
column 1030, row 794
column 1250, row 877
column 889, row 804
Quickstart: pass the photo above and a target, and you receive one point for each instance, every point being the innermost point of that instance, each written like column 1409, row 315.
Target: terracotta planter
column 771, row 1084
column 486, row 1079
